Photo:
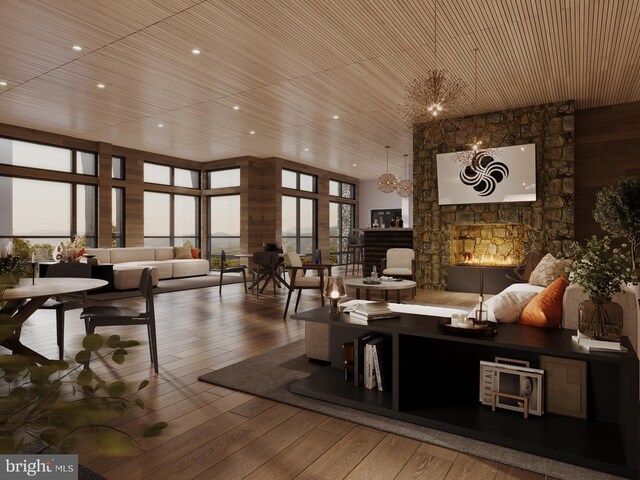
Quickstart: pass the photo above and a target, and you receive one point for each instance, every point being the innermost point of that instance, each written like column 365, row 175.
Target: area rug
column 172, row 285
column 269, row 375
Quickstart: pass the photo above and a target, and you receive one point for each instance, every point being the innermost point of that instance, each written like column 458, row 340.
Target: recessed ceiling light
column 355, row 164
column 252, row 132
column 236, row 107
column 160, row 125
column 3, row 83
column 336, row 117
column 195, row 51
column 77, row 48
column 101, row 85
column 306, row 149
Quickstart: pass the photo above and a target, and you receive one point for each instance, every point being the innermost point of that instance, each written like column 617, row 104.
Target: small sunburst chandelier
column 387, row 182
column 405, row 187
column 433, row 96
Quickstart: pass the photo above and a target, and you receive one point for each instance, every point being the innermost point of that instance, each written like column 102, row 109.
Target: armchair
column 399, row 262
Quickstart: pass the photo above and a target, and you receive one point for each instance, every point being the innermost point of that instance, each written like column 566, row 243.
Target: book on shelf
column 370, row 379
column 382, row 362
column 597, row 345
column 372, row 311
column 359, row 367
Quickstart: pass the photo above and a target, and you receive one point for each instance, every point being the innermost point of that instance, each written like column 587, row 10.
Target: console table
column 435, row 383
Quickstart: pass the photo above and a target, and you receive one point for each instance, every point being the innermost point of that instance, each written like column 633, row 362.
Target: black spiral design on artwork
column 484, row 174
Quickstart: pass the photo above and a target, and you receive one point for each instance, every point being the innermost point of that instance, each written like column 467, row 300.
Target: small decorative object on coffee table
column 600, row 271
column 480, row 313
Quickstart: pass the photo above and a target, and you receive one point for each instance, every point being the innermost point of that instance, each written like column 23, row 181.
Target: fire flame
column 489, row 260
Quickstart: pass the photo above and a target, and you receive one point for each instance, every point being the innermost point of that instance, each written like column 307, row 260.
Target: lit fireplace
column 487, row 244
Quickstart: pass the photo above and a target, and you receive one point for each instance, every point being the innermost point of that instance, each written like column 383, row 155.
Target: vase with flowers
column 12, row 266
column 601, row 271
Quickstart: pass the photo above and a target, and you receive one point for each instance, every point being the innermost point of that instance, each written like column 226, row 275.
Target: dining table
column 268, row 265
column 23, row 300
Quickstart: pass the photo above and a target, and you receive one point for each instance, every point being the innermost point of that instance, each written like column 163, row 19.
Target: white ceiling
column 291, row 65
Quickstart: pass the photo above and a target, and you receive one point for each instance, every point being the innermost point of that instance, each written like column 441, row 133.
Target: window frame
column 343, row 237
column 172, row 215
column 314, row 224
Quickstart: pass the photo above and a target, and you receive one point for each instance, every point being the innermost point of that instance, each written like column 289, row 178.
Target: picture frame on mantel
column 505, row 174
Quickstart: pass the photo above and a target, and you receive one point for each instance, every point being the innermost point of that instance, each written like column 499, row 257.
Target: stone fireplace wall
column 548, row 222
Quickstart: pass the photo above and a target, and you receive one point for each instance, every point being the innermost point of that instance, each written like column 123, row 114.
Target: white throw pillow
column 508, row 306
column 549, row 269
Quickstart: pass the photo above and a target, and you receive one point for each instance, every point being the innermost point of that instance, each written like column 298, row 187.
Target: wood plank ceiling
column 291, row 65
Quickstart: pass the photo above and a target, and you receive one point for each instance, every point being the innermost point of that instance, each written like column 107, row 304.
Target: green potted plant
column 618, row 213
column 12, row 266
column 601, row 271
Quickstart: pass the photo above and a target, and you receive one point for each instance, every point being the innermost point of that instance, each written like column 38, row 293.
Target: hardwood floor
column 216, row 433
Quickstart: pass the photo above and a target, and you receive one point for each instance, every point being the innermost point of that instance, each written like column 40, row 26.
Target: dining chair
column 70, row 302
column 235, row 269
column 300, row 281
column 100, row 316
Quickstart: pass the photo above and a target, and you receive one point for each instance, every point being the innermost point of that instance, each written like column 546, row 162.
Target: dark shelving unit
column 436, row 383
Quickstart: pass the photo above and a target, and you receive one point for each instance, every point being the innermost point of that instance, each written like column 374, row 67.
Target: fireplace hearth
column 487, row 244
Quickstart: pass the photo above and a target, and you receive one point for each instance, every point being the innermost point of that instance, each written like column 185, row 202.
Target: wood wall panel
column 606, row 142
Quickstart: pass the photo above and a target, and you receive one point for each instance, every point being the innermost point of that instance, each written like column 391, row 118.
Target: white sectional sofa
column 129, row 262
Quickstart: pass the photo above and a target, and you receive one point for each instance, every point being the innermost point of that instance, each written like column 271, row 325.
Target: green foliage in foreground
column 57, row 402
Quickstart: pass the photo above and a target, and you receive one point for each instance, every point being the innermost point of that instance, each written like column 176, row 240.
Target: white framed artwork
column 506, row 174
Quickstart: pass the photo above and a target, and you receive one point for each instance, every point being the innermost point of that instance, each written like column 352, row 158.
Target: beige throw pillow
column 182, row 253
column 508, row 306
column 549, row 269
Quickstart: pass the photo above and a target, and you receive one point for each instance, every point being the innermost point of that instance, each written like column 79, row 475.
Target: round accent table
column 384, row 287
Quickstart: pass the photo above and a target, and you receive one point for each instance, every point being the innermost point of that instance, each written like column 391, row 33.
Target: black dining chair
column 99, row 316
column 62, row 304
column 354, row 253
column 235, row 269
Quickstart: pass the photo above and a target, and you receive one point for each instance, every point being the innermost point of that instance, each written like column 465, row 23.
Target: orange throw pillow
column 545, row 309
column 195, row 253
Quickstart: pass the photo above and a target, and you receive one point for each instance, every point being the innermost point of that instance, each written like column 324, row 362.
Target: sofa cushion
column 132, row 254
column 195, row 253
column 103, row 255
column 163, row 253
column 126, row 277
column 507, row 306
column 545, row 309
column 548, row 270
column 165, row 269
column 182, row 253
column 190, row 268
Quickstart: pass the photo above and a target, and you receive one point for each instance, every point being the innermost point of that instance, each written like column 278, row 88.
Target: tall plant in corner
column 618, row 213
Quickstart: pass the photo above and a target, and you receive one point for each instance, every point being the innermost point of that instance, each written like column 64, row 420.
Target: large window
column 166, row 175
column 299, row 225
column 299, row 181
column 117, row 217
column 171, row 220
column 341, row 224
column 57, row 213
column 117, row 168
column 224, row 226
column 46, row 157
column 342, row 189
column 229, row 177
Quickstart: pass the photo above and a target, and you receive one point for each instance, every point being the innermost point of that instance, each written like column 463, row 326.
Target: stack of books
column 597, row 345
column 372, row 361
column 370, row 312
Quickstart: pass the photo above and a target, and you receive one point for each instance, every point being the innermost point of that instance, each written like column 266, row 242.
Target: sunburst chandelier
column 433, row 96
column 405, row 187
column 387, row 182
